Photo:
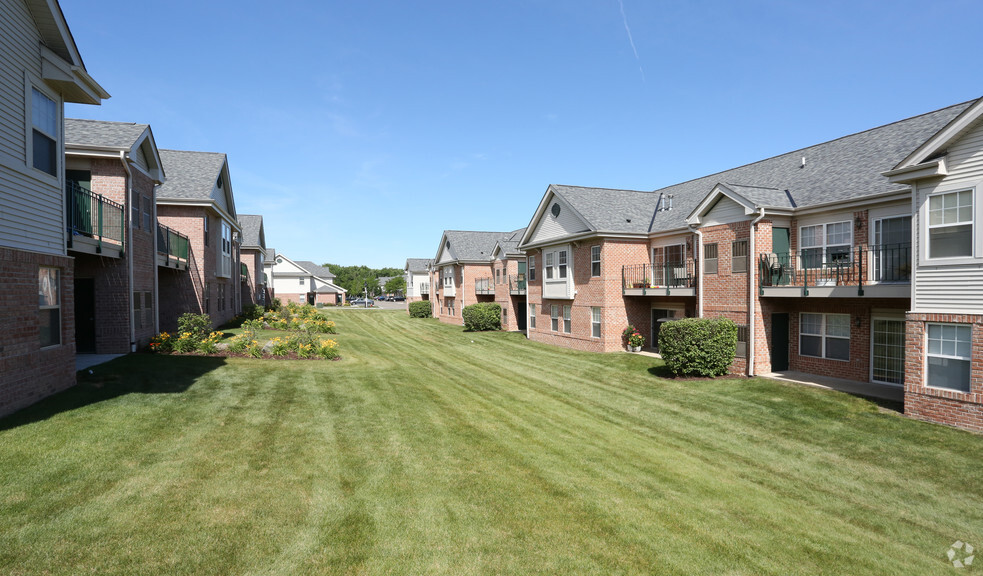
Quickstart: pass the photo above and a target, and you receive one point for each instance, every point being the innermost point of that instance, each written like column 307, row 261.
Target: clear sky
column 361, row 129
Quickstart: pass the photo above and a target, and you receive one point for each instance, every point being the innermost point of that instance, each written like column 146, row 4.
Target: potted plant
column 636, row 341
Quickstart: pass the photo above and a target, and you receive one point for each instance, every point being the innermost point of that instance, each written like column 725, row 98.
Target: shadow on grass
column 130, row 374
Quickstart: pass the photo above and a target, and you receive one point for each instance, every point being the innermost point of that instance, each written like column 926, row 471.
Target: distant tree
column 354, row 278
column 389, row 272
column 397, row 284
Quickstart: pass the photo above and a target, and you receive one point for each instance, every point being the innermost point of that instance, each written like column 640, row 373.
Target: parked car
column 362, row 302
column 381, row 298
column 396, row 299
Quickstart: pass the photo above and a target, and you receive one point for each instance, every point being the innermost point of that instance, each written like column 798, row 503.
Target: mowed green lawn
column 428, row 450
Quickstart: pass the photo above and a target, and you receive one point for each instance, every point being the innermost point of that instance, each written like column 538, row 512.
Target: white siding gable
column 550, row 227
column 724, row 211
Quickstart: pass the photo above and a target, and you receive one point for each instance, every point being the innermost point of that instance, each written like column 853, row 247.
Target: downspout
column 156, row 224
column 129, row 249
column 699, row 270
column 752, row 275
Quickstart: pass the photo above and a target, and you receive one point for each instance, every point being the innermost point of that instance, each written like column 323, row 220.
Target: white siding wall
column 31, row 204
column 724, row 212
column 954, row 286
column 550, row 227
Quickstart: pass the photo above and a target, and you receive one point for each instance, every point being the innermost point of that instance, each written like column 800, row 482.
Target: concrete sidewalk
column 86, row 361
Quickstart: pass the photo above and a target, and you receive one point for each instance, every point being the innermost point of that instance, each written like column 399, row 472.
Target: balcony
column 882, row 271
column 172, row 248
column 659, row 279
column 517, row 285
column 424, row 288
column 95, row 225
column 484, row 286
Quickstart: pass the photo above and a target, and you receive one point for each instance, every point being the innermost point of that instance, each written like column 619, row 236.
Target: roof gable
column 253, row 234
column 136, row 140
column 284, row 266
column 196, row 177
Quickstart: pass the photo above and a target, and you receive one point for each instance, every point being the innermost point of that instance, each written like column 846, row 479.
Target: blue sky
column 361, row 130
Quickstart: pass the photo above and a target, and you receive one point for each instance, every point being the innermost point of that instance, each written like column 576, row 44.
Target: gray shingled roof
column 843, row 169
column 319, row 271
column 510, row 243
column 418, row 264
column 251, row 226
column 119, row 135
column 469, row 245
column 190, row 175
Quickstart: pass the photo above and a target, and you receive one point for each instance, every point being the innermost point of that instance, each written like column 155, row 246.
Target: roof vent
column 803, row 165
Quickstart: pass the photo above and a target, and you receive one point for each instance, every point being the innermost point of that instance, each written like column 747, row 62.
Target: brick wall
column 28, row 373
column 949, row 407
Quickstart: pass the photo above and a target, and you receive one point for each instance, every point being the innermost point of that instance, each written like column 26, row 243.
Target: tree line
column 356, row 279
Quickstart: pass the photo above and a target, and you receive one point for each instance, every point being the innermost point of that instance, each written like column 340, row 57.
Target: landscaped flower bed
column 304, row 323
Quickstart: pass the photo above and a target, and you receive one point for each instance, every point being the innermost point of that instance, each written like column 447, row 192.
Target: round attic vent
column 279, row 260
column 447, row 245
column 555, row 210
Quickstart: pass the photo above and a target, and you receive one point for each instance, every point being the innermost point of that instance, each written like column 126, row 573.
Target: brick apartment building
column 111, row 171
column 417, row 275
column 462, row 272
column 252, row 254
column 42, row 70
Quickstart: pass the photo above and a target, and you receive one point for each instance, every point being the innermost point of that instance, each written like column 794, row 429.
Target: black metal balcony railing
column 888, row 263
column 92, row 216
column 659, row 275
column 484, row 286
column 517, row 284
column 174, row 245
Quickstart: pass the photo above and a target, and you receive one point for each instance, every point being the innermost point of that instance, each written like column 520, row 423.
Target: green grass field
column 428, row 450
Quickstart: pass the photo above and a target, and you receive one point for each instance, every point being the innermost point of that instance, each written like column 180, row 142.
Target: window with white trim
column 561, row 263
column 738, row 256
column 206, row 226
column 532, row 268
column 225, row 251
column 567, row 324
column 949, row 355
column 950, row 224
column 554, row 317
column 44, row 132
column 710, row 258
column 548, row 263
column 595, row 261
column 532, row 315
column 595, row 321
column 824, row 335
column 49, row 305
column 826, row 243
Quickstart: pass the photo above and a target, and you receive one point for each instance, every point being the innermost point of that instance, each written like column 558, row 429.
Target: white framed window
column 826, row 243
column 137, row 215
column 532, row 268
column 561, row 263
column 950, row 224
column 532, row 315
column 300, row 281
column 743, row 332
column 738, row 256
column 710, row 258
column 595, row 321
column 595, row 261
column 49, row 305
column 448, row 277
column 554, row 317
column 824, row 335
column 498, row 276
column 548, row 257
column 949, row 356
column 44, row 140
column 567, row 324
column 225, row 251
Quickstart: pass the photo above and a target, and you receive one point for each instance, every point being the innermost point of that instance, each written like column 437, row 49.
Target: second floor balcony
column 424, row 288
column 173, row 248
column 659, row 279
column 873, row 271
column 517, row 284
column 484, row 286
column 95, row 224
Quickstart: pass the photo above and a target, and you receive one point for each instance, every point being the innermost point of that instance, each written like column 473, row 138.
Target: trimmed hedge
column 482, row 316
column 698, row 346
column 421, row 309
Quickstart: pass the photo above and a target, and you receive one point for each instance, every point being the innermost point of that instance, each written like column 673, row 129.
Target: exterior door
column 781, row 245
column 520, row 315
column 887, row 350
column 779, row 342
column 85, row 315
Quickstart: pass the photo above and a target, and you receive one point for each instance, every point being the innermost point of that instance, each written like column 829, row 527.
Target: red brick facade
column 29, row 372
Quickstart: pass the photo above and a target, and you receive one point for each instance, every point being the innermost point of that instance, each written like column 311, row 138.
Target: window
column 208, row 297
column 300, row 281
column 505, row 318
column 225, row 262
column 532, row 268
column 826, row 243
column 135, row 210
column 950, row 224
column 561, row 261
column 595, row 261
column 138, row 309
column 449, row 277
column 554, row 317
column 949, row 354
column 709, row 258
column 44, row 133
column 148, row 309
column 49, row 306
column 206, row 230
column 595, row 321
column 825, row 336
column 498, row 276
column 743, row 332
column 549, row 265
column 738, row 256
column 147, row 216
column 532, row 315
column 566, row 319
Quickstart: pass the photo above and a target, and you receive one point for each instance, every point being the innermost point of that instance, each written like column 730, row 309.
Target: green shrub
column 196, row 326
column 252, row 312
column 421, row 309
column 482, row 316
column 698, row 346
